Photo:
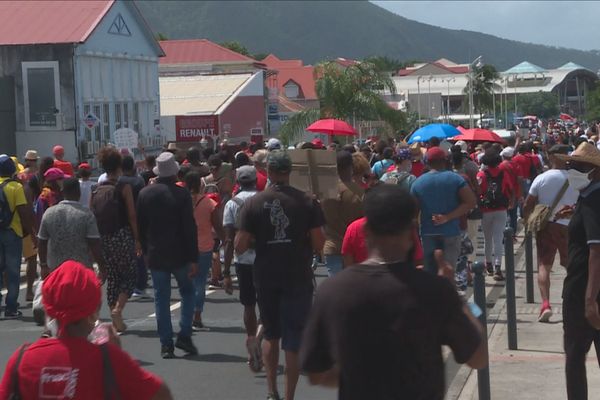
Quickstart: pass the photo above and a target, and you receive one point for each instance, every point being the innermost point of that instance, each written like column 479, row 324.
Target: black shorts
column 246, row 283
column 284, row 314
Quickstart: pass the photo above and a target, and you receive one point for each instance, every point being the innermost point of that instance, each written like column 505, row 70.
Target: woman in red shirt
column 69, row 366
column 496, row 196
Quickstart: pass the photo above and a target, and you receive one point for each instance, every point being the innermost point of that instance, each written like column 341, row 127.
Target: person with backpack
column 381, row 166
column 244, row 263
column 401, row 174
column 113, row 206
column 208, row 220
column 16, row 222
column 496, row 194
column 70, row 366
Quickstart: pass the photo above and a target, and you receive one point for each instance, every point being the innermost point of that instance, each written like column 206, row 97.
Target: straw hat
column 586, row 153
column 31, row 155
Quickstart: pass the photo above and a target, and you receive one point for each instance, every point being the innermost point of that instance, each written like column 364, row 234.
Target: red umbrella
column 332, row 127
column 478, row 135
column 461, row 129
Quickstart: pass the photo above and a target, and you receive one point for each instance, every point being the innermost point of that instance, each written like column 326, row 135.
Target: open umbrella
column 332, row 126
column 478, row 135
column 566, row 117
column 440, row 131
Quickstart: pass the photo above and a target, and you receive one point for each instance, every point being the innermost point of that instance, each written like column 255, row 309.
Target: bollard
column 511, row 308
column 483, row 375
column 529, row 267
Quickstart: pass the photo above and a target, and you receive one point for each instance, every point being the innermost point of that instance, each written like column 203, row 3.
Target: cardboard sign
column 193, row 128
column 125, row 138
column 91, row 121
column 315, row 172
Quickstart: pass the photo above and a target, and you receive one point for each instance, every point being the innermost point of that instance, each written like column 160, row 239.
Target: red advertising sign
column 194, row 127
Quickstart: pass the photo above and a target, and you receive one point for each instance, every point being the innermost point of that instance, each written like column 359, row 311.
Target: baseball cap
column 279, row 161
column 7, row 166
column 54, row 174
column 85, row 166
column 508, row 152
column 318, row 143
column 273, row 144
column 435, row 154
column 246, row 174
column 463, row 145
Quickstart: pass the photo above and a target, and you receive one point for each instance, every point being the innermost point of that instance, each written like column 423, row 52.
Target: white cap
column 273, row 144
column 463, row 145
column 507, row 152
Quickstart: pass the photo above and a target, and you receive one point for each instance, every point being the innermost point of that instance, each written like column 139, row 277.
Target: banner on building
column 192, row 128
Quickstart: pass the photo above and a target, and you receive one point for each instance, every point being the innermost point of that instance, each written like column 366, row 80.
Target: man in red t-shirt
column 59, row 153
column 70, row 367
column 354, row 245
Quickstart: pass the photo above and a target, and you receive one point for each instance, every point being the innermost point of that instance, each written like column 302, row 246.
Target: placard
column 125, row 138
column 315, row 172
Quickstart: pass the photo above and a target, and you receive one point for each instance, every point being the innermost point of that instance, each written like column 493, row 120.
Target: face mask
column 578, row 180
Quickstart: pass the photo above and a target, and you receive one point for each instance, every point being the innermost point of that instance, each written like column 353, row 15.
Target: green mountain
column 318, row 30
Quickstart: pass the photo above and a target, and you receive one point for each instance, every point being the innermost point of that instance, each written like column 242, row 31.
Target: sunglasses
column 580, row 166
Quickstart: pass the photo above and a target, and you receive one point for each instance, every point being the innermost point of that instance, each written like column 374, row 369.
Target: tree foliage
column 484, row 78
column 351, row 94
column 388, row 64
column 540, row 104
column 237, row 47
column 592, row 104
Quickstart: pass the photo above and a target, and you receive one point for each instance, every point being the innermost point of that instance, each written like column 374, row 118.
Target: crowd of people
column 397, row 241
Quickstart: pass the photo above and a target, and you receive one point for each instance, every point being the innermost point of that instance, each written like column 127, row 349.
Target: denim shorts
column 284, row 314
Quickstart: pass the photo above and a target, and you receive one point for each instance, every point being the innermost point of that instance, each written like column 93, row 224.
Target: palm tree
column 352, row 93
column 484, row 78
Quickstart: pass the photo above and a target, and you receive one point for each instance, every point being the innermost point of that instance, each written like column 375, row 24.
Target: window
column 136, row 117
column 98, row 129
column 125, row 115
column 41, row 92
column 291, row 90
column 105, row 122
column 118, row 116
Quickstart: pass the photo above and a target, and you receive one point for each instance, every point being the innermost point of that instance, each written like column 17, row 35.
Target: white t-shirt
column 229, row 214
column 546, row 187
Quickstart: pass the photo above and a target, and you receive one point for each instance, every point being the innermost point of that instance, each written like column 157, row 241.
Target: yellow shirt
column 16, row 197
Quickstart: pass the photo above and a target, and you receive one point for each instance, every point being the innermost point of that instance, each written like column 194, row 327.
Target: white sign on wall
column 125, row 138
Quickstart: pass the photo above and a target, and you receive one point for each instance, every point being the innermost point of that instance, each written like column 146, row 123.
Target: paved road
column 219, row 372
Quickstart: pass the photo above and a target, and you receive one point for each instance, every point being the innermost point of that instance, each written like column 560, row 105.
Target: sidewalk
column 536, row 369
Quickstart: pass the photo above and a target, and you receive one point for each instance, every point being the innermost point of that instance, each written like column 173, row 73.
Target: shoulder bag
column 539, row 217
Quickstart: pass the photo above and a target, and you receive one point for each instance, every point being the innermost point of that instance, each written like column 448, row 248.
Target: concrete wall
column 11, row 58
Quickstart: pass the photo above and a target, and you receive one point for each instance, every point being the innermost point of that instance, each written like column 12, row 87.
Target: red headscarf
column 71, row 292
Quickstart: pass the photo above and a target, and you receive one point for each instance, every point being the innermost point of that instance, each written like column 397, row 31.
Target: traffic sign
column 91, row 121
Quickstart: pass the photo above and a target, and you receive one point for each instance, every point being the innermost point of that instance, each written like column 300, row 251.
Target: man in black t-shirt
column 581, row 319
column 286, row 227
column 376, row 329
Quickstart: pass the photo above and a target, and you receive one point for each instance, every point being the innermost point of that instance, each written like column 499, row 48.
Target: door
column 8, row 120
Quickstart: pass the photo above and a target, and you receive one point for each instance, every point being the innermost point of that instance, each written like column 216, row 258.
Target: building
column 437, row 90
column 210, row 92
column 67, row 65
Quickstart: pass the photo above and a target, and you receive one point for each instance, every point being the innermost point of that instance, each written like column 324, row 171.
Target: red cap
column 85, row 166
column 71, row 293
column 58, row 150
column 317, row 142
column 435, row 153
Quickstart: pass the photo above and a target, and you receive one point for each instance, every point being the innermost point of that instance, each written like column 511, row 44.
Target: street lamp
column 448, row 81
column 429, row 97
column 477, row 64
column 419, row 99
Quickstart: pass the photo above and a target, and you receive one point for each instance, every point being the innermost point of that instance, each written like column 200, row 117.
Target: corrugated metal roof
column 199, row 94
column 199, row 51
column 48, row 22
column 570, row 66
column 525, row 68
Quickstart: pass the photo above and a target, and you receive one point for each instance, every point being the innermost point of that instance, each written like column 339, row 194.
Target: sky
column 572, row 24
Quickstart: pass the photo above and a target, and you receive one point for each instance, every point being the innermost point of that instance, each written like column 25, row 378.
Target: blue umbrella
column 441, row 131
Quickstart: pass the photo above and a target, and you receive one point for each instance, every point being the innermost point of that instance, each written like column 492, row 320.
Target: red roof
column 49, row 22
column 292, row 70
column 199, row 51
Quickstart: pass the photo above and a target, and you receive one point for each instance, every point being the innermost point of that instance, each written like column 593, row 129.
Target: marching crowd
column 397, row 241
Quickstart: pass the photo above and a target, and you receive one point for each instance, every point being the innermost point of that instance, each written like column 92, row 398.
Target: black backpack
column 494, row 196
column 6, row 214
column 106, row 206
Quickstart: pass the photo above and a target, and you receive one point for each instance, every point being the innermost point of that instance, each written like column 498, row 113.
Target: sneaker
column 185, row 344
column 274, row 396
column 12, row 315
column 167, row 352
column 545, row 314
column 198, row 326
column 138, row 294
column 498, row 276
column 489, row 268
column 214, row 284
column 39, row 316
column 255, row 360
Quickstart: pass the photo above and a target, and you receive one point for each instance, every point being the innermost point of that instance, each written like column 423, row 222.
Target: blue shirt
column 437, row 193
column 380, row 167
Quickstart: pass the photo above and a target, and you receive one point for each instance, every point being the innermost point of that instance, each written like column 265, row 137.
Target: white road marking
column 177, row 305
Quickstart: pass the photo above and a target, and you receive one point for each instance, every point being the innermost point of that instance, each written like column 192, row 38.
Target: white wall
column 43, row 142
